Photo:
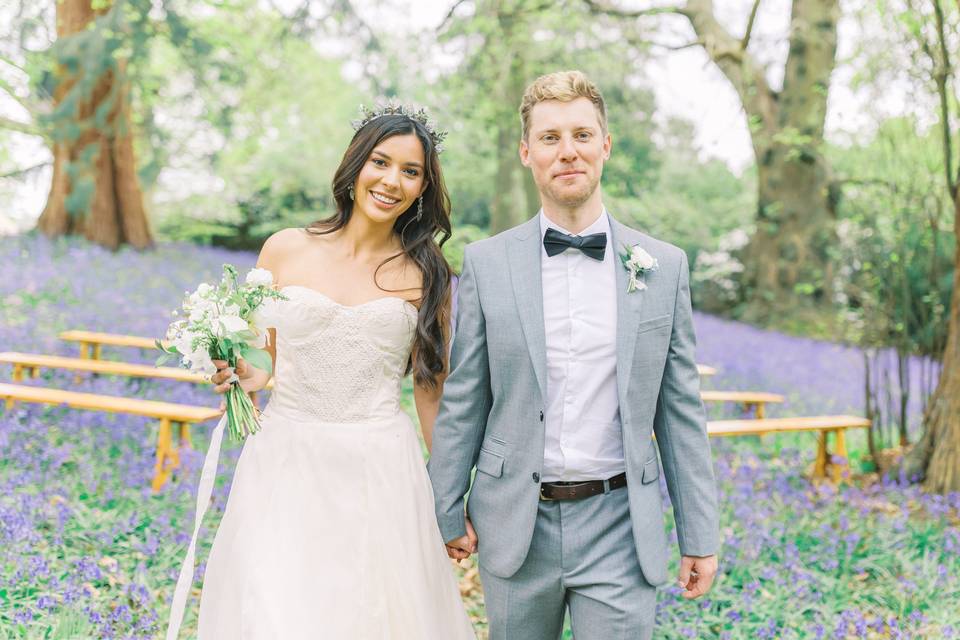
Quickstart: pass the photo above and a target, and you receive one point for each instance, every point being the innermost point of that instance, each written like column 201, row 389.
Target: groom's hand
column 462, row 547
column 696, row 575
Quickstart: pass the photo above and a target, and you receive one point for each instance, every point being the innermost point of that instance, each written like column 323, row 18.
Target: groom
column 567, row 361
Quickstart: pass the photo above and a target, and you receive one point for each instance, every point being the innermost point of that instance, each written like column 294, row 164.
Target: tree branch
column 739, row 67
column 16, row 173
column 602, row 7
column 679, row 47
column 9, row 61
column 943, row 79
column 21, row 127
column 7, row 88
column 447, row 18
column 750, row 22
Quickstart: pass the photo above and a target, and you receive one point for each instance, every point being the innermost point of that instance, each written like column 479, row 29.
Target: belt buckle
column 545, row 498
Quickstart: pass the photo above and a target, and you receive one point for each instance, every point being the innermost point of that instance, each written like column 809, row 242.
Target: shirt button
column 536, row 477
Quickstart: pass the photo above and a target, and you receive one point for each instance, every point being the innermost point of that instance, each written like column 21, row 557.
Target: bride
column 329, row 531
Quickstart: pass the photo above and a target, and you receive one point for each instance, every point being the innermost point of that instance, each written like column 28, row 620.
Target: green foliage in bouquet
column 220, row 322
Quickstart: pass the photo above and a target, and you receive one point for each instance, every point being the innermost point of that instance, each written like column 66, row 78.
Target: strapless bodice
column 338, row 363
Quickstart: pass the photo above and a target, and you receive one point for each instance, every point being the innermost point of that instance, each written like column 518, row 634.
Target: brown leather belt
column 579, row 490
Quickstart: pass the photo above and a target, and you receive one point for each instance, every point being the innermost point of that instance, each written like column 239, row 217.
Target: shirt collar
column 600, row 225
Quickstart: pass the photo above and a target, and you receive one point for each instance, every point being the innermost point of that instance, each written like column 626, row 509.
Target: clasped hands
column 462, row 547
column 696, row 573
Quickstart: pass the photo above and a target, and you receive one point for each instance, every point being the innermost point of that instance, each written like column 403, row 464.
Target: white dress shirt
column 582, row 417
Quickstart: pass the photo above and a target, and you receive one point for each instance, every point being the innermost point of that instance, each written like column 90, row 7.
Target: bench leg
column 86, row 353
column 184, row 433
column 17, row 376
column 820, row 466
column 840, row 442
column 165, row 453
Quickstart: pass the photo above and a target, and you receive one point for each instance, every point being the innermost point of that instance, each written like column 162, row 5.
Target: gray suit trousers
column 582, row 557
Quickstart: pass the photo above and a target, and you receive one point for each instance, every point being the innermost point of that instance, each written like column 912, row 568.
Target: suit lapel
column 524, row 258
column 628, row 308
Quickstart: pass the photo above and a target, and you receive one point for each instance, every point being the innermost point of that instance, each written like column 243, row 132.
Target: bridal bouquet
column 216, row 323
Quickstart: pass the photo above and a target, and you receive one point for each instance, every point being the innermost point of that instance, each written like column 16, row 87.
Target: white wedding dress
column 329, row 531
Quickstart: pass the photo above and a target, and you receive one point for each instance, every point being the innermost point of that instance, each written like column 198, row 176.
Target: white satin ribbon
column 204, row 491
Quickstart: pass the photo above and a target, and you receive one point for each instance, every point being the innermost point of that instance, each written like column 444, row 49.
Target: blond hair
column 564, row 86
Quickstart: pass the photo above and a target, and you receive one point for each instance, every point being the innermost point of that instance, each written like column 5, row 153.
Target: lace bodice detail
column 338, row 363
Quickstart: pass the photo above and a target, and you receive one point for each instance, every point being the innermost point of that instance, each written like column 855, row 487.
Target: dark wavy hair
column 421, row 239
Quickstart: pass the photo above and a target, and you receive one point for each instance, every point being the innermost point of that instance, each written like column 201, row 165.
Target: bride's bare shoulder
column 286, row 239
column 283, row 244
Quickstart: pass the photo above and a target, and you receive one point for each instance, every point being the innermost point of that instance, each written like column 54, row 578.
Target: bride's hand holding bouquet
column 218, row 336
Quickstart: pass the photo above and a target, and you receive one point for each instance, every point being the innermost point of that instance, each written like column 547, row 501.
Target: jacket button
column 536, row 477
column 541, row 415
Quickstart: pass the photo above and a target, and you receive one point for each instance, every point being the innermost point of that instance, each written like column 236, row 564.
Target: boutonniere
column 637, row 262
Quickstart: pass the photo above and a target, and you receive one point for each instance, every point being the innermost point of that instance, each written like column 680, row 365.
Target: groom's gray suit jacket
column 491, row 415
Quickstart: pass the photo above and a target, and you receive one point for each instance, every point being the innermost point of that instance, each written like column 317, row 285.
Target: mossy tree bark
column 95, row 189
column 515, row 196
column 936, row 457
column 787, row 257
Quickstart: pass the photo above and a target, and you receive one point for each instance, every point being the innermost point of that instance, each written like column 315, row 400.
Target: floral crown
column 392, row 108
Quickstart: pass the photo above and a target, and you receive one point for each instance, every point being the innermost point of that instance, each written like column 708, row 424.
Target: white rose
column 643, row 259
column 259, row 277
column 204, row 289
column 174, row 329
column 265, row 315
column 200, row 362
column 229, row 324
column 184, row 342
column 259, row 342
column 198, row 313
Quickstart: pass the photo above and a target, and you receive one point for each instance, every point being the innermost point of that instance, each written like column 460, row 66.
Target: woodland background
column 167, row 136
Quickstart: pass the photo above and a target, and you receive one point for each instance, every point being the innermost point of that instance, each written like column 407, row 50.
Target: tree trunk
column 787, row 253
column 509, row 205
column 936, row 457
column 515, row 196
column 95, row 189
column 795, row 226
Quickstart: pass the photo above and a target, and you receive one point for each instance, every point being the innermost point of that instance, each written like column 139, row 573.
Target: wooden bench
column 32, row 363
column 824, row 425
column 170, row 416
column 92, row 341
column 755, row 400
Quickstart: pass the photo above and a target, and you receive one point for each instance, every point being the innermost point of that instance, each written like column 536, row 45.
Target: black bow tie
column 593, row 245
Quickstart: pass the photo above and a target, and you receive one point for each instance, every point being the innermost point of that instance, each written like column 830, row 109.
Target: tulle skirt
column 329, row 533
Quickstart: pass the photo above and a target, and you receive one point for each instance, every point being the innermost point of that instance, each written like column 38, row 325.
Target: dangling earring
column 419, row 208
column 350, row 192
